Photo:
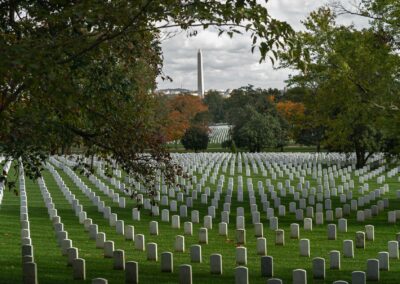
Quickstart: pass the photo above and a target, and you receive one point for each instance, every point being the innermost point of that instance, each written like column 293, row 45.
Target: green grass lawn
column 216, row 147
column 52, row 266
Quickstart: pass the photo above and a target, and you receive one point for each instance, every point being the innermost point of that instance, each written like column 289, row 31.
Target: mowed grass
column 52, row 266
column 10, row 247
column 216, row 147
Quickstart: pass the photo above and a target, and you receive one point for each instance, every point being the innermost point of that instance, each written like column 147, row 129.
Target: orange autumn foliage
column 181, row 110
column 291, row 111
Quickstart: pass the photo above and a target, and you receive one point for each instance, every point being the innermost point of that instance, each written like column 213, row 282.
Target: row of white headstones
column 216, row 135
column 167, row 257
column 29, row 269
column 78, row 264
column 207, row 219
column 219, row 133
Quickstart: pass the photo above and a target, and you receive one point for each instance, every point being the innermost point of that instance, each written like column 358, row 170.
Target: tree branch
column 7, row 100
column 368, row 155
column 104, row 38
column 341, row 10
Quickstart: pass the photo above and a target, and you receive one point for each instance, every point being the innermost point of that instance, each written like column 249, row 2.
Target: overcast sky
column 229, row 63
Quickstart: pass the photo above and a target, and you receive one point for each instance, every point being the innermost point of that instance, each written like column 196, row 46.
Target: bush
column 195, row 138
column 226, row 144
column 233, row 147
column 229, row 144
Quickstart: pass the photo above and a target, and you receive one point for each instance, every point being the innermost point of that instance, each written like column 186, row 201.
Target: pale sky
column 229, row 63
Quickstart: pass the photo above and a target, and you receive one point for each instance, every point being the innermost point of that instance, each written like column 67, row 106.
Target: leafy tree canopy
column 293, row 115
column 215, row 103
column 257, row 132
column 195, row 138
column 182, row 110
column 349, row 74
column 384, row 16
column 260, row 99
column 80, row 73
column 255, row 119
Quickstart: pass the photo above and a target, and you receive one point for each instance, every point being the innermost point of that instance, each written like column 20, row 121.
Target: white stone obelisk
column 200, row 78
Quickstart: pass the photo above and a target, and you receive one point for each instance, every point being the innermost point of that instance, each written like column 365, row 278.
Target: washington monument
column 200, row 78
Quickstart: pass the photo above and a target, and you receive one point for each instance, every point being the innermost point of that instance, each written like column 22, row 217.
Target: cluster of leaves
column 195, row 138
column 299, row 107
column 187, row 120
column 383, row 15
column 183, row 111
column 293, row 113
column 215, row 103
column 255, row 119
column 218, row 106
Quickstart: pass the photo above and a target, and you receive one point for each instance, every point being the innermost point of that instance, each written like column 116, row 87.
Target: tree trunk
column 360, row 156
column 92, row 163
column 318, row 147
column 360, row 161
